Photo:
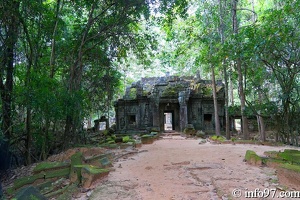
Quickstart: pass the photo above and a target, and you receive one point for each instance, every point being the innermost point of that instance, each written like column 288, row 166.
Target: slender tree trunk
column 7, row 69
column 53, row 41
column 231, row 97
column 217, row 120
column 227, row 120
column 262, row 128
column 261, row 123
column 240, row 77
column 28, row 136
column 221, row 30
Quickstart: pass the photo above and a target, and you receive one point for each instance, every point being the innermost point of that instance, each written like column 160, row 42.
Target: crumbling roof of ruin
column 169, row 87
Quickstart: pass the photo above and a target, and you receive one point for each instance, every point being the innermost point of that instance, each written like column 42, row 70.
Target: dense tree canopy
column 62, row 62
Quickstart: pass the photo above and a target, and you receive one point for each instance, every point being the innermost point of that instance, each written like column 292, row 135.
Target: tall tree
column 9, row 36
column 238, row 65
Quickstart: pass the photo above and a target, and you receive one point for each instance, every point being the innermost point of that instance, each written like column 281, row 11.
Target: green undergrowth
column 218, row 138
column 292, row 167
column 288, row 159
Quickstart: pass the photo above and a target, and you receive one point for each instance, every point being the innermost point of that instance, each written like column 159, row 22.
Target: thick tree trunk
column 217, row 120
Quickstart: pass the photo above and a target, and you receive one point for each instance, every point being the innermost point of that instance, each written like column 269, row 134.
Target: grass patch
column 288, row 166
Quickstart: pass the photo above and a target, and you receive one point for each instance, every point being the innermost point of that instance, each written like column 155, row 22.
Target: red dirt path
column 176, row 168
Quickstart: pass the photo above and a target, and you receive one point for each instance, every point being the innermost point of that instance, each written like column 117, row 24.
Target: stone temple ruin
column 169, row 103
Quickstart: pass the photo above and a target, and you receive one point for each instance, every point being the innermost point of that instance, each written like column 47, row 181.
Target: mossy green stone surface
column 29, row 193
column 49, row 166
column 218, row 138
column 31, row 179
column 288, row 166
column 252, row 158
column 26, row 180
column 76, row 159
column 95, row 170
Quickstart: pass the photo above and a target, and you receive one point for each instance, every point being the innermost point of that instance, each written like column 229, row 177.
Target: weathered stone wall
column 189, row 99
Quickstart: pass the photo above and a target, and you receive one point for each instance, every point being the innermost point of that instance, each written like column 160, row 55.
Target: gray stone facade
column 179, row 101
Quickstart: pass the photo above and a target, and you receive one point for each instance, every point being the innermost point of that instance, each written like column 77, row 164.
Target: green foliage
column 172, row 90
column 218, row 138
column 132, row 93
column 126, row 139
column 288, row 166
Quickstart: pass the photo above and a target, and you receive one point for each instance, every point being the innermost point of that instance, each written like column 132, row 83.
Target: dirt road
column 180, row 169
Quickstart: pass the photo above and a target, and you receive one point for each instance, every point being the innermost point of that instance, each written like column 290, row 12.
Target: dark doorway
column 208, row 121
column 131, row 120
column 207, row 117
column 169, row 121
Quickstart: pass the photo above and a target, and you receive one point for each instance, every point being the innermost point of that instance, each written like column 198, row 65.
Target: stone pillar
column 182, row 111
column 97, row 124
column 155, row 109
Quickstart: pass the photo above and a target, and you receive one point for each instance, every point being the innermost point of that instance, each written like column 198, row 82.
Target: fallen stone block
column 252, row 158
column 48, row 166
column 147, row 139
column 75, row 175
column 90, row 174
column 29, row 193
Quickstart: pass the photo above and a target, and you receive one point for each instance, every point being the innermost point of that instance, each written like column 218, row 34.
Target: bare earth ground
column 175, row 168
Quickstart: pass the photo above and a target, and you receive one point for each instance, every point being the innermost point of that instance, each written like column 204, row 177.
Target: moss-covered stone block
column 271, row 154
column 190, row 131
column 147, row 139
column 91, row 159
column 44, row 186
column 138, row 144
column 218, row 138
column 271, row 162
column 29, row 193
column 26, row 180
column 154, row 134
column 91, row 173
column 76, row 159
column 56, row 192
column 46, row 166
column 252, row 158
column 42, row 175
column 100, row 161
column 58, row 173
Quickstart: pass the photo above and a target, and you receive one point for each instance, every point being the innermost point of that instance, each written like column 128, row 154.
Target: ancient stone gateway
column 168, row 103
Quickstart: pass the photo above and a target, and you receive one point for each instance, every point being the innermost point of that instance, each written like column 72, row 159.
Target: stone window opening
column 207, row 117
